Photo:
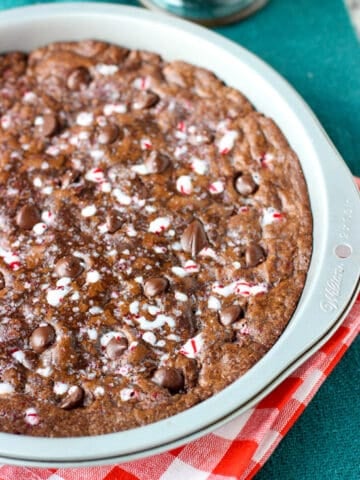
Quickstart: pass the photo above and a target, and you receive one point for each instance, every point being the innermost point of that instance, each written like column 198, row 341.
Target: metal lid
column 209, row 13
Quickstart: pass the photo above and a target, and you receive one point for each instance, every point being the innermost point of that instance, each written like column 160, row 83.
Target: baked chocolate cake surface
column 155, row 235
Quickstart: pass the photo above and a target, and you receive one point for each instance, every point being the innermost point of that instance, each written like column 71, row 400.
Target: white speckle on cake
column 93, row 276
column 105, row 339
column 214, row 303
column 134, row 307
column 121, row 197
column 39, row 228
column 88, row 211
column 111, row 108
column 6, row 388
column 149, row 337
column 153, row 310
column 84, row 119
column 173, row 337
column 99, row 391
column 54, row 297
column 95, row 310
column 60, row 388
column 140, row 169
column 181, row 297
column 127, row 394
column 199, row 166
column 92, row 333
column 62, row 282
column 208, row 252
column 105, row 69
column 37, row 182
column 45, row 371
column 160, row 321
column 47, row 217
column 179, row 271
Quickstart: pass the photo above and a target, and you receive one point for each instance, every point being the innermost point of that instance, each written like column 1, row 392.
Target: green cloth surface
column 313, row 45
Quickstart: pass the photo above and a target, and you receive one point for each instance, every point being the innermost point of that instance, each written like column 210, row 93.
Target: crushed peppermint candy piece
column 141, row 169
column 159, row 225
column 216, row 187
column 55, row 296
column 181, row 297
column 191, row 266
column 60, row 388
column 227, row 142
column 193, row 346
column 240, row 287
column 199, row 166
column 141, row 83
column 99, row 391
column 184, row 185
column 47, row 217
column 127, row 394
column 95, row 175
column 146, row 144
column 11, row 259
column 160, row 321
column 39, row 228
column 6, row 388
column 5, row 122
column 179, row 271
column 214, row 303
column 111, row 108
column 92, row 276
column 271, row 215
column 32, row 416
column 88, row 211
column 104, row 69
column 149, row 337
column 121, row 197
column 134, row 307
column 208, row 252
column 84, row 119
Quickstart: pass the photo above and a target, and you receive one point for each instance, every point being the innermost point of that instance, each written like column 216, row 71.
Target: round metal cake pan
column 332, row 281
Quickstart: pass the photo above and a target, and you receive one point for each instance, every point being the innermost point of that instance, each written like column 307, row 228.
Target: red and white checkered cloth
column 235, row 451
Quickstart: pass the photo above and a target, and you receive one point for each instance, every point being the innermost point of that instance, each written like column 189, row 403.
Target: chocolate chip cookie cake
column 155, row 235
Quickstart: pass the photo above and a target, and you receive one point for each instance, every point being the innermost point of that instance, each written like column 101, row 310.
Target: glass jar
column 207, row 12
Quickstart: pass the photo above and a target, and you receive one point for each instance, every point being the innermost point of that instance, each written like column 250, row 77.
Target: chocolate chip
column 27, row 217
column 194, row 238
column 116, row 347
column 78, row 77
column 108, row 134
column 170, row 378
column 114, row 221
column 245, row 184
column 2, row 281
column 49, row 126
column 145, row 100
column 155, row 286
column 41, row 338
column 229, row 315
column 73, row 399
column 157, row 162
column 68, row 266
column 254, row 254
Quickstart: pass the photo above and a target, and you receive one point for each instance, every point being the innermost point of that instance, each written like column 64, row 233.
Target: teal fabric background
column 312, row 44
